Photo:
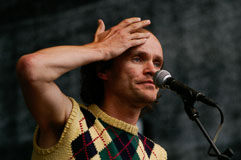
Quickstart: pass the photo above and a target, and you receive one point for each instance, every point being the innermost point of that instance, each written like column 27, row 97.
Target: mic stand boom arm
column 193, row 115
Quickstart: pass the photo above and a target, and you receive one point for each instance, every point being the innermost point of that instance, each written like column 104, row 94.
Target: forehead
column 152, row 47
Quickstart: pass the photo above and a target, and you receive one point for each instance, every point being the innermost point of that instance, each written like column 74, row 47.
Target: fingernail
column 148, row 21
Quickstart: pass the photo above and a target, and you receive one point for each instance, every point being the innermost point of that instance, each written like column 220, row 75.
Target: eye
column 136, row 59
column 157, row 64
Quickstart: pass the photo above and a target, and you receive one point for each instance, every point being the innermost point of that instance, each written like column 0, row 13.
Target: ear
column 103, row 75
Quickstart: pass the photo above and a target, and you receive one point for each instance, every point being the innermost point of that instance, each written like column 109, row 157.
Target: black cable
column 217, row 131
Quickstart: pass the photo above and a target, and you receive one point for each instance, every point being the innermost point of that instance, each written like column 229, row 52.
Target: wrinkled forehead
column 151, row 46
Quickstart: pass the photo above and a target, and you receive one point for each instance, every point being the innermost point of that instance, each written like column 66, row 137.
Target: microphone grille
column 160, row 77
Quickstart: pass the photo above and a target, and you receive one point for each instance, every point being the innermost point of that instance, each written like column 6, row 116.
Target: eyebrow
column 145, row 53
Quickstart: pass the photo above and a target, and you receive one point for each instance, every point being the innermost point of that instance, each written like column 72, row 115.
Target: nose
column 150, row 69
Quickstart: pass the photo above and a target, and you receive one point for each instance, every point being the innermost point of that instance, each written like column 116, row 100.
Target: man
column 67, row 130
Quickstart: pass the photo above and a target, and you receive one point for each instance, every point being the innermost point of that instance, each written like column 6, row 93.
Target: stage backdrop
column 201, row 42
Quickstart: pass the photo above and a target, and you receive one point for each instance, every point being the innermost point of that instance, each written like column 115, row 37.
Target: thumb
column 100, row 29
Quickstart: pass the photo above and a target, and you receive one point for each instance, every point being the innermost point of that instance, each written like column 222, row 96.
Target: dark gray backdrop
column 201, row 43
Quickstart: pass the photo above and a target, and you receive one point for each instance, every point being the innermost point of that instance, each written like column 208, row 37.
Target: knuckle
column 126, row 21
column 135, row 26
column 139, row 35
column 123, row 33
column 118, row 31
column 112, row 29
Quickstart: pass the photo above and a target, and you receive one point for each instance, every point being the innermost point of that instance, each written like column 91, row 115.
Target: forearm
column 50, row 63
column 47, row 65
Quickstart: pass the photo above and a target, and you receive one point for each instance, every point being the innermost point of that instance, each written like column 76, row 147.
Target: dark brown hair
column 92, row 87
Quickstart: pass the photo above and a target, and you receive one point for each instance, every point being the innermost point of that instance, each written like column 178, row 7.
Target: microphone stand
column 194, row 116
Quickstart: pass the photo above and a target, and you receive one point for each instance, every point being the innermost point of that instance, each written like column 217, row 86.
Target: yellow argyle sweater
column 91, row 134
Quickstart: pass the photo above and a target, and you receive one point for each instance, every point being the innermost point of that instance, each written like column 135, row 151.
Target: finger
column 135, row 26
column 128, row 21
column 138, row 42
column 100, row 29
column 139, row 35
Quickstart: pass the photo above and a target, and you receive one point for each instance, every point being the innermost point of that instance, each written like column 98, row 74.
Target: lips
column 147, row 82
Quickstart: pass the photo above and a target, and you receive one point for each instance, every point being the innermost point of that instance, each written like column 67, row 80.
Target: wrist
column 100, row 50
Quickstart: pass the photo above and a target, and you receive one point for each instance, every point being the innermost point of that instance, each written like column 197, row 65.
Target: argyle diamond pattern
column 102, row 141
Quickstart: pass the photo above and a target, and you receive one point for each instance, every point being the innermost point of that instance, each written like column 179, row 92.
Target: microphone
column 163, row 79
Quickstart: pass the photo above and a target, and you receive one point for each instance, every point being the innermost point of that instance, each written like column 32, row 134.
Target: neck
column 121, row 109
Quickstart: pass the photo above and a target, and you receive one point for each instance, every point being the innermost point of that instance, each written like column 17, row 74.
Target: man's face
column 130, row 77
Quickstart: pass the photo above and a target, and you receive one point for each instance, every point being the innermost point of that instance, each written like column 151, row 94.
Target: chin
column 151, row 96
column 147, row 96
column 149, row 99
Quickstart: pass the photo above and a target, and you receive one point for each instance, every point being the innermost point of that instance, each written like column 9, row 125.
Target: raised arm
column 37, row 72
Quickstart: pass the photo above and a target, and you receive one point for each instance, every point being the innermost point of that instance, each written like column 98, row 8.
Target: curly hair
column 92, row 87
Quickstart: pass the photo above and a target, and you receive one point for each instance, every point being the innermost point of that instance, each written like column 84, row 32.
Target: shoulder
column 67, row 135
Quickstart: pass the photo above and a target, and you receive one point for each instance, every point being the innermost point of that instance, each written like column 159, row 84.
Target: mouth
column 148, row 83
